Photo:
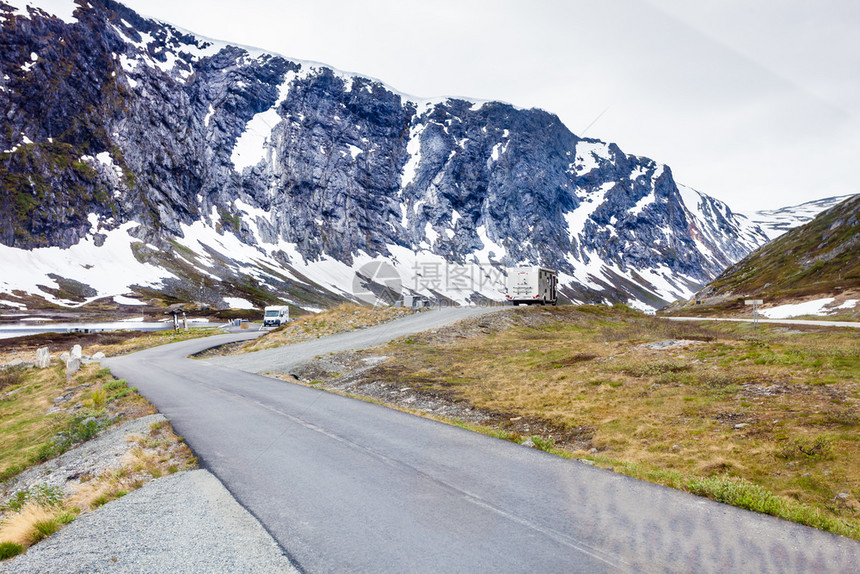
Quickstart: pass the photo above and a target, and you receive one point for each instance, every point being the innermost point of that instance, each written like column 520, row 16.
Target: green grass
column 45, row 528
column 10, row 549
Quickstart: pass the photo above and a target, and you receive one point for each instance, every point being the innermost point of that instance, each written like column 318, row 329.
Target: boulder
column 73, row 365
column 43, row 357
column 76, row 352
column 64, row 357
column 15, row 363
column 98, row 356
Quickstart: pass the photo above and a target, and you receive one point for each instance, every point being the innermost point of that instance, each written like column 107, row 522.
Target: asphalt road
column 279, row 360
column 349, row 486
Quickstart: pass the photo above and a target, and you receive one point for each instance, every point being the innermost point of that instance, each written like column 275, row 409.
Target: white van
column 276, row 315
column 532, row 286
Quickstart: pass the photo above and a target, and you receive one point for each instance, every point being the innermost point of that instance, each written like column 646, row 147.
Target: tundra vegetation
column 766, row 419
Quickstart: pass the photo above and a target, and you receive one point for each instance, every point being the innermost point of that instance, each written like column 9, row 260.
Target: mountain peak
column 277, row 180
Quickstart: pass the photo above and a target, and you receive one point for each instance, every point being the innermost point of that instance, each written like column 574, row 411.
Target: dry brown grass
column 737, row 404
column 346, row 317
column 158, row 453
column 21, row 527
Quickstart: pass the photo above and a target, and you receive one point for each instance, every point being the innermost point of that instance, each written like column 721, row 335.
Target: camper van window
column 272, row 313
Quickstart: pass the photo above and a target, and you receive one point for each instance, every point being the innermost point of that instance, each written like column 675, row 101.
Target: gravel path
column 181, row 524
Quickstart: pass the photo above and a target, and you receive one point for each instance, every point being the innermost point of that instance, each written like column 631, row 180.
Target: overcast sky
column 755, row 103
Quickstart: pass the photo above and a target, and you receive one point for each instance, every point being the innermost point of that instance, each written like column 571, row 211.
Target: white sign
column 753, row 301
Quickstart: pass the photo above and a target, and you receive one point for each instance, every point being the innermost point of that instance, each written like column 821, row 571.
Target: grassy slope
column 29, row 435
column 763, row 419
column 813, row 259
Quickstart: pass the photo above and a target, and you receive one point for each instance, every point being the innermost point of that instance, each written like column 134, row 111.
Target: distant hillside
column 816, row 259
column 775, row 222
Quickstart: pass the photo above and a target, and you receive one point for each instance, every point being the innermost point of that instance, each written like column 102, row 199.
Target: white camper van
column 275, row 316
column 532, row 285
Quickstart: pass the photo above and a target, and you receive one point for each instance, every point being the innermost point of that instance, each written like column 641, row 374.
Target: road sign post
column 755, row 303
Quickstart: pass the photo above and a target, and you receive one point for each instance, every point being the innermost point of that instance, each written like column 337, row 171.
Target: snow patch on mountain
column 110, row 269
column 62, row 9
column 775, row 222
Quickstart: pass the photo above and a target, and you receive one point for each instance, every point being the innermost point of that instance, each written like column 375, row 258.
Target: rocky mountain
column 143, row 162
column 775, row 222
column 815, row 263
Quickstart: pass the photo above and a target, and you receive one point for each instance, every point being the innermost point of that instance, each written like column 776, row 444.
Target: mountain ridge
column 815, row 262
column 180, row 144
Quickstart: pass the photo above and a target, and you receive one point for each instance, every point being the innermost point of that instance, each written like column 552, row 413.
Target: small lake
column 21, row 329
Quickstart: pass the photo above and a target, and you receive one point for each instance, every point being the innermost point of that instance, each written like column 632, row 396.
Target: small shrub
column 78, row 430
column 738, row 492
column 841, row 417
column 42, row 494
column 45, row 528
column 114, row 385
column 11, row 377
column 655, row 368
column 98, row 398
column 68, row 515
column 544, row 444
column 119, row 394
column 807, row 447
column 9, row 549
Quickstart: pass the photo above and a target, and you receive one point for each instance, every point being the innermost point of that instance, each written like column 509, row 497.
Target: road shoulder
column 187, row 522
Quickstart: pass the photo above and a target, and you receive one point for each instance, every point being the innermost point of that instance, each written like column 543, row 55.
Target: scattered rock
column 373, row 361
column 676, row 447
column 15, row 363
column 842, row 496
column 98, row 356
column 586, row 461
column 528, row 442
column 43, row 358
column 669, row 344
column 73, row 365
column 741, row 425
column 64, row 397
column 64, row 356
column 76, row 352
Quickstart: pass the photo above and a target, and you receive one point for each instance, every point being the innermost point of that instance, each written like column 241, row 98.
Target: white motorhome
column 276, row 315
column 532, row 286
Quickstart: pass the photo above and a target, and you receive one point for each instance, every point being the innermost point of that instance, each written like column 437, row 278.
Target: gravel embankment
column 103, row 453
column 181, row 524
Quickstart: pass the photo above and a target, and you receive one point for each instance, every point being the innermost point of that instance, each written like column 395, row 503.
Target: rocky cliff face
column 276, row 179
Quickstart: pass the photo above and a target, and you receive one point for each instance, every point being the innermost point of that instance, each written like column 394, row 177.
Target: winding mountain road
column 348, row 486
